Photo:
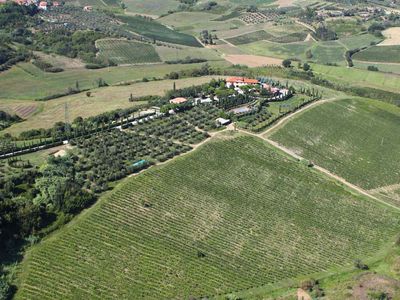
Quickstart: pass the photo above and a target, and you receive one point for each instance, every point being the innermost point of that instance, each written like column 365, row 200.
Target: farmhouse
column 178, row 100
column 240, row 81
column 42, row 5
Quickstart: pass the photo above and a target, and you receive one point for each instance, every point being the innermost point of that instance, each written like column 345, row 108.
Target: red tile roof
column 241, row 80
column 178, row 100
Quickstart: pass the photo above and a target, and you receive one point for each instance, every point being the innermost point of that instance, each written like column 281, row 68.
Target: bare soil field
column 392, row 37
column 23, row 109
column 252, row 60
column 61, row 61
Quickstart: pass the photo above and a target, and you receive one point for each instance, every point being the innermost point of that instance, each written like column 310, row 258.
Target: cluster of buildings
column 238, row 82
column 42, row 5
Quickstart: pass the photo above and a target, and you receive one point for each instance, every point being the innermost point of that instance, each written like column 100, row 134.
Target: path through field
column 264, row 135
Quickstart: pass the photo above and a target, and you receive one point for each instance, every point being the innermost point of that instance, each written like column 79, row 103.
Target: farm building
column 203, row 101
column 178, row 100
column 240, row 81
column 222, row 121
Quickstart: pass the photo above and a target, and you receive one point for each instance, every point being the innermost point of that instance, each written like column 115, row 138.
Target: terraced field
column 356, row 139
column 242, row 215
column 127, row 52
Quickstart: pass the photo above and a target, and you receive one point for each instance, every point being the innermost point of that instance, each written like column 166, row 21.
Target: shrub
column 287, row 63
column 372, row 68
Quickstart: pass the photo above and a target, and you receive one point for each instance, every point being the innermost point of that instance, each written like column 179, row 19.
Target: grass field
column 157, row 31
column 127, row 52
column 151, row 7
column 170, row 54
column 390, row 54
column 294, row 50
column 195, row 22
column 343, row 75
column 383, row 67
column 328, row 52
column 250, row 37
column 242, row 216
column 359, row 41
column 355, row 138
column 38, row 84
column 101, row 100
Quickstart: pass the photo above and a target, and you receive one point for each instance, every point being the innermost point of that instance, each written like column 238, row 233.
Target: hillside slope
column 232, row 215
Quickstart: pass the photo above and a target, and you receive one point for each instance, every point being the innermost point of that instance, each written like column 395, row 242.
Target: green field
column 345, row 27
column 39, row 84
column 390, row 54
column 328, row 52
column 356, row 77
column 356, row 139
column 157, row 31
column 233, row 215
column 127, row 52
column 293, row 50
column 181, row 52
column 359, row 41
column 194, row 22
column 151, row 7
column 250, row 37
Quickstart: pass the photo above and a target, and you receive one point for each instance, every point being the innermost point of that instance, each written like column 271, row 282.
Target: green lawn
column 359, row 41
column 354, row 138
column 127, row 52
column 38, row 84
column 234, row 214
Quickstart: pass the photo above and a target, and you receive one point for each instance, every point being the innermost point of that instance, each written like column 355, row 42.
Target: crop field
column 173, row 53
column 157, row 31
column 240, row 206
column 345, row 26
column 389, row 82
column 390, row 54
column 194, row 22
column 250, row 37
column 102, row 100
column 356, row 139
column 127, row 52
column 383, row 67
column 38, row 84
column 359, row 41
column 293, row 50
column 151, row 7
column 328, row 52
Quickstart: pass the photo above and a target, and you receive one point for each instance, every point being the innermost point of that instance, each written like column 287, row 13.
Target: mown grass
column 390, row 54
column 38, row 84
column 234, row 214
column 356, row 139
column 127, row 52
column 157, row 31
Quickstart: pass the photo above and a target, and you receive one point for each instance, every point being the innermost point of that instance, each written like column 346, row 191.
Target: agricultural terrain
column 240, row 205
column 357, row 140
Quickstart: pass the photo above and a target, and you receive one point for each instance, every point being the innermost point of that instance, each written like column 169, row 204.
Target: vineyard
column 234, row 214
column 127, row 52
column 154, row 30
column 356, row 139
column 263, row 35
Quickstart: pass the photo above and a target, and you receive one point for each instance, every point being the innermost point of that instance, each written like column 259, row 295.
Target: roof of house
column 242, row 80
column 178, row 100
column 43, row 3
column 222, row 121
